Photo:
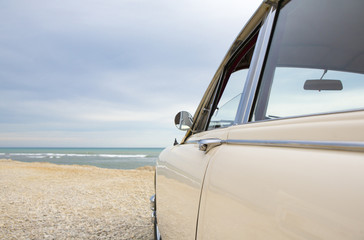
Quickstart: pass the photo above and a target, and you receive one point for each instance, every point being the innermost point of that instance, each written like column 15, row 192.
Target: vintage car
column 275, row 149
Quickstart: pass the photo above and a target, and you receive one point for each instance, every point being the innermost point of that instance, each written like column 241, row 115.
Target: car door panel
column 342, row 127
column 285, row 191
column 180, row 173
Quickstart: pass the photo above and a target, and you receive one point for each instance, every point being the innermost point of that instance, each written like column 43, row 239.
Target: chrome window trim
column 208, row 110
column 321, row 145
column 226, row 68
column 259, row 55
column 308, row 115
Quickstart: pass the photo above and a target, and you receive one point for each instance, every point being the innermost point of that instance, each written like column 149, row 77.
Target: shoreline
column 113, row 158
column 144, row 168
column 41, row 200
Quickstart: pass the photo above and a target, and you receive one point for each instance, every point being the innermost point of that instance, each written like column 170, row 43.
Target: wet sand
column 49, row 201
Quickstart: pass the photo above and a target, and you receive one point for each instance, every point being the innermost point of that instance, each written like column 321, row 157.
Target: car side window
column 231, row 85
column 224, row 115
column 315, row 62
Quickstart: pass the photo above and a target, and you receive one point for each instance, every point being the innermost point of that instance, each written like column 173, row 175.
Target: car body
column 275, row 149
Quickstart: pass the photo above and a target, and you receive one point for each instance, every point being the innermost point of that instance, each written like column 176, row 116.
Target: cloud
column 110, row 69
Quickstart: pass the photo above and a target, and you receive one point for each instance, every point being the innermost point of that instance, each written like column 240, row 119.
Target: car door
column 294, row 167
column 181, row 168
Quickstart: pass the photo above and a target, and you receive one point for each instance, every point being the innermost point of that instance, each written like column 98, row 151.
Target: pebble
column 48, row 201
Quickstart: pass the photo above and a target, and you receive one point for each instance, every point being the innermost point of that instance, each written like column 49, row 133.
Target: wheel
column 153, row 206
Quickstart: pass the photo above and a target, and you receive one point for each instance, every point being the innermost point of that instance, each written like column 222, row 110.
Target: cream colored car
column 275, row 149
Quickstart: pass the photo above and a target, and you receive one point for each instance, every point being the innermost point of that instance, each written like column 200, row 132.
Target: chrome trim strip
column 343, row 146
column 329, row 145
column 260, row 52
column 309, row 115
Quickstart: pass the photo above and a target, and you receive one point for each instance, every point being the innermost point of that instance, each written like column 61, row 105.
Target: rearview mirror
column 183, row 120
column 326, row 84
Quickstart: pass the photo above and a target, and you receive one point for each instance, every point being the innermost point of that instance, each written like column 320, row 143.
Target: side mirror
column 183, row 120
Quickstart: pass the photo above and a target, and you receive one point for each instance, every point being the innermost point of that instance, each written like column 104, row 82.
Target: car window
column 289, row 97
column 231, row 85
column 316, row 60
column 225, row 112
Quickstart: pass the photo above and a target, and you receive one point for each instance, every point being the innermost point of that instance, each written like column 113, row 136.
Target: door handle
column 207, row 144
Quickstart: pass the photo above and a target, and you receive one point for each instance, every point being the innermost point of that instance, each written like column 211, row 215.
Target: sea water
column 116, row 158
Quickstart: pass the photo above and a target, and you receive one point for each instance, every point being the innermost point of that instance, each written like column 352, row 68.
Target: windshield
column 316, row 60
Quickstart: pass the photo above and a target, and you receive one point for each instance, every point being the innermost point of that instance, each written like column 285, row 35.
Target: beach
column 49, row 201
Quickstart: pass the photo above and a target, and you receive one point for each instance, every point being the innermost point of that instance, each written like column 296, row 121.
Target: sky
column 108, row 73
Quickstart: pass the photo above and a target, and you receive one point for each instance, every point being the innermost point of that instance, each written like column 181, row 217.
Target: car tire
column 157, row 235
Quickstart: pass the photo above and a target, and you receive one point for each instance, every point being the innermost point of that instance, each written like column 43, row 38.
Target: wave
column 59, row 155
column 122, row 155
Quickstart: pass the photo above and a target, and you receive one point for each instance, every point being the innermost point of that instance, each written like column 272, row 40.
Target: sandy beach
column 49, row 201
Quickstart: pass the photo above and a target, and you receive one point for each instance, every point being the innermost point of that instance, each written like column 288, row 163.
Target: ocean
column 115, row 158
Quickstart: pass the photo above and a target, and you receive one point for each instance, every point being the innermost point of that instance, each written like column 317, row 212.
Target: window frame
column 262, row 104
column 262, row 20
column 262, row 32
column 247, row 101
column 242, row 50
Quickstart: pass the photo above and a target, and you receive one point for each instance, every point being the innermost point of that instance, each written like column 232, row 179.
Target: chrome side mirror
column 183, row 120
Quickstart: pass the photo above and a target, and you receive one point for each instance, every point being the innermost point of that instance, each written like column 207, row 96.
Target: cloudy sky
column 108, row 73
